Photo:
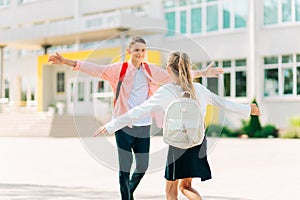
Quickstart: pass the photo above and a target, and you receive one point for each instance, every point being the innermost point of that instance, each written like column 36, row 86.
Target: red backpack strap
column 121, row 77
column 147, row 68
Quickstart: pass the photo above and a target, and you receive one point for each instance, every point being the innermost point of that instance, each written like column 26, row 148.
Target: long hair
column 181, row 67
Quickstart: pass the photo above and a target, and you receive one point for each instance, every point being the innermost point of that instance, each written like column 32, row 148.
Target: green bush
column 295, row 122
column 291, row 134
column 294, row 130
column 269, row 131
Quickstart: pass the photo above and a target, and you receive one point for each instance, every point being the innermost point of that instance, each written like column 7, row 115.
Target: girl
column 192, row 162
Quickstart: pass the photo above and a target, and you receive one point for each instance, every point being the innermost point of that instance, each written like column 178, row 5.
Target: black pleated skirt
column 188, row 163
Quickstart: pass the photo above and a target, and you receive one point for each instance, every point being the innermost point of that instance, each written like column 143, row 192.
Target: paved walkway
column 52, row 168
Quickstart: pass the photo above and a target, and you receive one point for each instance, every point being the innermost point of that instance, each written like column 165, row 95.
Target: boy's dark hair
column 136, row 39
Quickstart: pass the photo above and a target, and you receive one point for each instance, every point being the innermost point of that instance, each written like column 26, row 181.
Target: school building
column 256, row 42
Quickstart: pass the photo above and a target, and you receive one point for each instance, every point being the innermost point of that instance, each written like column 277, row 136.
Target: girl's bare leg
column 171, row 190
column 185, row 187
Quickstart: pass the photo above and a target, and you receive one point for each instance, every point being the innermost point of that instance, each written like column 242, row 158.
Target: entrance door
column 79, row 96
column 89, row 96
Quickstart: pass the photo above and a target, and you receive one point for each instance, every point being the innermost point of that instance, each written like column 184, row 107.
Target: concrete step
column 35, row 124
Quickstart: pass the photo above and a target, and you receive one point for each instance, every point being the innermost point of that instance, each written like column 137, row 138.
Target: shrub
column 291, row 134
column 294, row 130
column 269, row 131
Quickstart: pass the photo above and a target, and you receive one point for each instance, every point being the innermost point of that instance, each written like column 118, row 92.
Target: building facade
column 255, row 41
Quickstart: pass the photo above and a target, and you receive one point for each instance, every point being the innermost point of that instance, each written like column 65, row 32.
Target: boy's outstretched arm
column 210, row 71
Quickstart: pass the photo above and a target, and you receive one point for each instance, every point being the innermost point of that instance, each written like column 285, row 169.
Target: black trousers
column 136, row 140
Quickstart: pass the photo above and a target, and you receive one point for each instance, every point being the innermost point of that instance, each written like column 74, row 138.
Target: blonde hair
column 181, row 67
column 136, row 39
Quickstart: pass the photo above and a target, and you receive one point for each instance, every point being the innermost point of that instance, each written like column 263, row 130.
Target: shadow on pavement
column 46, row 192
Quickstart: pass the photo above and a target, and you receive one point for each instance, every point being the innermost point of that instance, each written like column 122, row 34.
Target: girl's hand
column 254, row 109
column 102, row 130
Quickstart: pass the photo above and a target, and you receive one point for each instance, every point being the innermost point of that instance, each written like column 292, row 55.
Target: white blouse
column 165, row 95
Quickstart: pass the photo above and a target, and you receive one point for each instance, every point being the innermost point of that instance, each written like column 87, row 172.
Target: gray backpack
column 183, row 123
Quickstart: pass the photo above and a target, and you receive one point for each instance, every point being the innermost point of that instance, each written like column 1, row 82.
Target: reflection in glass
column 297, row 10
column 227, row 85
column 226, row 64
column 80, row 91
column 183, row 22
column 241, row 84
column 212, row 85
column 240, row 63
column 271, row 60
column 270, row 12
column 298, row 80
column 288, row 81
column 226, row 15
column 287, row 59
column 240, row 13
column 169, row 3
column 271, row 82
column 212, row 18
column 196, row 20
column 60, row 84
column 170, row 17
column 286, row 10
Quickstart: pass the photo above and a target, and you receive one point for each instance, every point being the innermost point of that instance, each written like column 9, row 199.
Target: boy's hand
column 212, row 71
column 102, row 130
column 56, row 59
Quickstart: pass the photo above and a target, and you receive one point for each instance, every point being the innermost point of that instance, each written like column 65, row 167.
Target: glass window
column 298, row 80
column 227, row 85
column 271, row 82
column 183, row 2
column 298, row 58
column 4, row 3
column 271, row 60
column 240, row 63
column 60, row 84
column 183, row 22
column 212, row 18
column 270, row 12
column 287, row 59
column 240, row 84
column 80, row 91
column 288, row 81
column 71, row 92
column 297, row 10
column 169, row 3
column 91, row 90
column 226, row 64
column 240, row 13
column 197, row 66
column 170, row 17
column 196, row 20
column 195, row 1
column 286, row 10
column 100, row 87
column 212, row 85
column 226, row 15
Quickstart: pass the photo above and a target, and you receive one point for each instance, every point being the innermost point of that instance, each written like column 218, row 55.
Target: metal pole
column 1, row 74
column 123, row 34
